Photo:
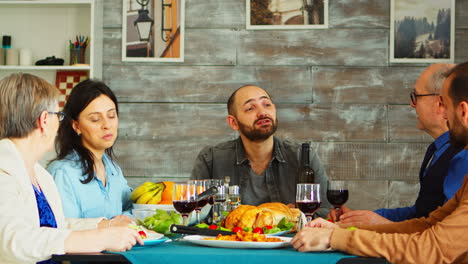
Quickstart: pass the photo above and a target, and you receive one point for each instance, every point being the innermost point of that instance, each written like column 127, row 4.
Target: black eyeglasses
column 414, row 96
column 60, row 115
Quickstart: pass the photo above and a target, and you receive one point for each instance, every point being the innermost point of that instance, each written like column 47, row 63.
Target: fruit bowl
column 167, row 207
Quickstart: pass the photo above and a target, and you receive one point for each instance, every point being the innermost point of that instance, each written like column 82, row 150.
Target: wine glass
column 308, row 199
column 337, row 195
column 184, row 199
column 201, row 186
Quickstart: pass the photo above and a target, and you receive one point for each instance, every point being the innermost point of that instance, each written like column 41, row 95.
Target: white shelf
column 45, row 27
column 45, row 68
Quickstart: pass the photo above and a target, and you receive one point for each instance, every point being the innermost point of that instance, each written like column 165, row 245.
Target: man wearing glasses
column 439, row 238
column 443, row 167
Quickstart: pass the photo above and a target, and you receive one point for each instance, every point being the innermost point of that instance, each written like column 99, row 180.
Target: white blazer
column 22, row 240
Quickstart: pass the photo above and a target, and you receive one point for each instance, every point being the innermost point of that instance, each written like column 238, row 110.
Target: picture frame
column 65, row 81
column 422, row 31
column 161, row 41
column 286, row 14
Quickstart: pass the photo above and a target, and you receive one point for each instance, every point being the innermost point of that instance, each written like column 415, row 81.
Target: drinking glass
column 234, row 197
column 337, row 195
column 308, row 199
column 184, row 198
column 218, row 198
column 201, row 186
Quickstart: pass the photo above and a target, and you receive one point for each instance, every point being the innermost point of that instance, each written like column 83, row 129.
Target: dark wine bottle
column 306, row 174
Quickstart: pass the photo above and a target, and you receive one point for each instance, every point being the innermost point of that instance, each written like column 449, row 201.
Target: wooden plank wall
column 334, row 87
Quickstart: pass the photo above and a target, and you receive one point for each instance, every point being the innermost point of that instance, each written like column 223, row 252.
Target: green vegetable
column 223, row 229
column 202, row 225
column 285, row 225
column 247, row 229
column 161, row 221
column 273, row 230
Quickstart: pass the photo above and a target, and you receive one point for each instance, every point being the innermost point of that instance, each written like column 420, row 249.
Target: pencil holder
column 77, row 56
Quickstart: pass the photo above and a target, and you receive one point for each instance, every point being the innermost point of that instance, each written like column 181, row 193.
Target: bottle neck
column 305, row 157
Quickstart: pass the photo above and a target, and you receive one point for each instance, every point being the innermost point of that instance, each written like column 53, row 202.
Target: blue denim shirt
column 93, row 199
column 229, row 159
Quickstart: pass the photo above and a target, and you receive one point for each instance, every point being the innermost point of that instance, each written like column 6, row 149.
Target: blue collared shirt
column 92, row 199
column 453, row 181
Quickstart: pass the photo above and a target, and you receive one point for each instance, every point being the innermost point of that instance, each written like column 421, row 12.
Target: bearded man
column 265, row 167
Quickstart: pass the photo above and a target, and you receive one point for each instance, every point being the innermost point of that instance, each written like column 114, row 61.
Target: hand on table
column 120, row 239
column 320, row 222
column 332, row 214
column 312, row 239
column 362, row 217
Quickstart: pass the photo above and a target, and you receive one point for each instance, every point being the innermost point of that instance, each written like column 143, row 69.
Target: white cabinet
column 46, row 27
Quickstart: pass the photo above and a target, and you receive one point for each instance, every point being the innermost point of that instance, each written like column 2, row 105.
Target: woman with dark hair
column 32, row 223
column 91, row 184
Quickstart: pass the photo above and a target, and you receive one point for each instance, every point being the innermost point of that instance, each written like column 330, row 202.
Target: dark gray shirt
column 229, row 159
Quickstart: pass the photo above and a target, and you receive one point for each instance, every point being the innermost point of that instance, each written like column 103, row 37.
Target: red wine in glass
column 308, row 207
column 185, row 207
column 308, row 198
column 337, row 197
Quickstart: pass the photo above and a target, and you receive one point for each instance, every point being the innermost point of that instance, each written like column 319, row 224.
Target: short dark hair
column 458, row 90
column 67, row 139
column 230, row 102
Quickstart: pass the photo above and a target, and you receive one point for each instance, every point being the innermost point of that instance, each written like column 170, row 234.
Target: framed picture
column 153, row 30
column 286, row 14
column 422, row 31
column 65, row 81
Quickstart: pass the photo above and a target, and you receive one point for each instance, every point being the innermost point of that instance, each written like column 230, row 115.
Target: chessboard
column 65, row 81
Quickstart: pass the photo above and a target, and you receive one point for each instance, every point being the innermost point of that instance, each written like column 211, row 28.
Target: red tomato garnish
column 142, row 234
column 258, row 230
column 214, row 227
column 236, row 229
column 330, row 220
column 268, row 227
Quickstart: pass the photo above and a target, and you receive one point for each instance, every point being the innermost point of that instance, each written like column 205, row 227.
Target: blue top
column 92, row 199
column 458, row 168
column 46, row 216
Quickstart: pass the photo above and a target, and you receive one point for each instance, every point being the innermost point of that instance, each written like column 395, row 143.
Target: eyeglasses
column 60, row 115
column 414, row 96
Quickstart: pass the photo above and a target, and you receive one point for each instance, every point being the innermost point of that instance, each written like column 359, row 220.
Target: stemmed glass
column 337, row 195
column 184, row 198
column 308, row 199
column 201, row 186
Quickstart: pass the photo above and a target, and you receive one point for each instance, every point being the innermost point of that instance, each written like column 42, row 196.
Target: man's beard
column 255, row 134
column 458, row 134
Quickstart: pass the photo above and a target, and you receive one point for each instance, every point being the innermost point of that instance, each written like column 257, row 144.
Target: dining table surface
column 185, row 252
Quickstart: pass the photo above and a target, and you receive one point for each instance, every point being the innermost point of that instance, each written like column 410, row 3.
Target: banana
column 144, row 198
column 157, row 197
column 142, row 189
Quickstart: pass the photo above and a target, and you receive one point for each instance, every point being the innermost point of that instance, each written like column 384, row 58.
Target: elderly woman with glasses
column 89, row 180
column 32, row 224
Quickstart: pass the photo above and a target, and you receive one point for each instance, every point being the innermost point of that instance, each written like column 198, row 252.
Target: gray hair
column 436, row 80
column 23, row 97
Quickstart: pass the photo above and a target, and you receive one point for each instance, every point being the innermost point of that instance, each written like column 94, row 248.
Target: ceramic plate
column 279, row 233
column 199, row 240
column 153, row 239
